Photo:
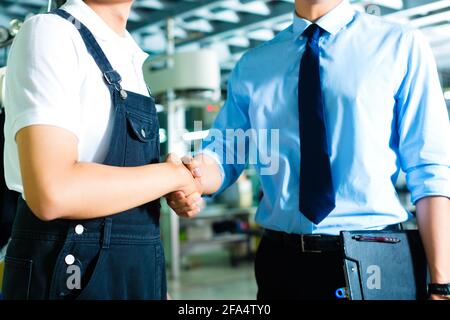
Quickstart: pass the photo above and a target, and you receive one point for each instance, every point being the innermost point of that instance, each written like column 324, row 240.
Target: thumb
column 193, row 165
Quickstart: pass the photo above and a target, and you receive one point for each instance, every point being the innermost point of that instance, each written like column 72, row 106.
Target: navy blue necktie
column 317, row 196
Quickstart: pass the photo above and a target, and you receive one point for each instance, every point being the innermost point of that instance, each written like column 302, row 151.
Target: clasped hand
column 186, row 202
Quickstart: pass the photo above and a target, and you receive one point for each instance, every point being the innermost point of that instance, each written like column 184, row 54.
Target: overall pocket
column 94, row 284
column 79, row 279
column 17, row 278
column 142, row 141
column 141, row 128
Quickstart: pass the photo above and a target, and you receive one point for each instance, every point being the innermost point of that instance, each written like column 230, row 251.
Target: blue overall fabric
column 117, row 257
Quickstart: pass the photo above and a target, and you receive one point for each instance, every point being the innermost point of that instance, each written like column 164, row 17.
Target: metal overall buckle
column 116, row 84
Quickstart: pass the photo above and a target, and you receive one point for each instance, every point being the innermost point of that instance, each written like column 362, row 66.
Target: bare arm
column 433, row 217
column 56, row 185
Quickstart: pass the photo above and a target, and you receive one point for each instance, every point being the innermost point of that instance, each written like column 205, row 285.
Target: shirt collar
column 100, row 29
column 91, row 20
column 332, row 22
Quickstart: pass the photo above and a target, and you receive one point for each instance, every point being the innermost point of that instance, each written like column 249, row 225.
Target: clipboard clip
column 376, row 239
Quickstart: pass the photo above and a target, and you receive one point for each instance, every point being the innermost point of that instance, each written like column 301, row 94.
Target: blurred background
column 193, row 46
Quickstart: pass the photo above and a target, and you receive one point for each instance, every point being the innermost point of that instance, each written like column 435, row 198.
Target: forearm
column 433, row 217
column 211, row 176
column 89, row 190
column 56, row 185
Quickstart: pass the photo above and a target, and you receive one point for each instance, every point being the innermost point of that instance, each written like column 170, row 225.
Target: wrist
column 439, row 277
column 180, row 174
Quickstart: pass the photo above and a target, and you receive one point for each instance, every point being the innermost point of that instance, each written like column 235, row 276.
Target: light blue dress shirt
column 384, row 110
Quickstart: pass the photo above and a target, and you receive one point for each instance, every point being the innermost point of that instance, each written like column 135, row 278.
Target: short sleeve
column 44, row 76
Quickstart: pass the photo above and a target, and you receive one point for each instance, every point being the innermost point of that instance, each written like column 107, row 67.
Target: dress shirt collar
column 332, row 22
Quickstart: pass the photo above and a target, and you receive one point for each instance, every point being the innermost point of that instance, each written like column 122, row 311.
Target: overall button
column 123, row 94
column 143, row 133
column 69, row 259
column 79, row 229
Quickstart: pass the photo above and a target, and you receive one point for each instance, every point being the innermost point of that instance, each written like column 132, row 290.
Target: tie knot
column 313, row 32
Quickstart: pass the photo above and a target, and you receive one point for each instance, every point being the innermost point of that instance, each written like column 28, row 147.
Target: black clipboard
column 392, row 268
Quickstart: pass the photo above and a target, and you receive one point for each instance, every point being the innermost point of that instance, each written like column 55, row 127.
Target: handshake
column 187, row 201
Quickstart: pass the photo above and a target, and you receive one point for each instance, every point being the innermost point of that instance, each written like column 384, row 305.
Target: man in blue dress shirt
column 354, row 99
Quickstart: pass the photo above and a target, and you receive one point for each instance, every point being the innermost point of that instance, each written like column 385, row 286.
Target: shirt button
column 69, row 259
column 79, row 229
column 301, row 37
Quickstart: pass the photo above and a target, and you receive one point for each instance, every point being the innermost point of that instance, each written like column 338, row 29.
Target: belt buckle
column 302, row 242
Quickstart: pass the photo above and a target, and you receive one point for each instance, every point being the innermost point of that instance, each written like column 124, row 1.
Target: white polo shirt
column 52, row 80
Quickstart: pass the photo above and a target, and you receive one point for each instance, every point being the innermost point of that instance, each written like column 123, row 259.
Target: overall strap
column 111, row 76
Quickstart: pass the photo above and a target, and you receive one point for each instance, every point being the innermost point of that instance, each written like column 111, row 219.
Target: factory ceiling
column 233, row 26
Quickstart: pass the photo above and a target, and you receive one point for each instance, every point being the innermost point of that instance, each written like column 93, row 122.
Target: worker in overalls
column 82, row 147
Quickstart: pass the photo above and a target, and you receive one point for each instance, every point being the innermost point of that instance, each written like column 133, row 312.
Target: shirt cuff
column 218, row 161
column 429, row 180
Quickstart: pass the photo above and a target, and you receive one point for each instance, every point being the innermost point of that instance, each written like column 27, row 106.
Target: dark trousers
column 285, row 273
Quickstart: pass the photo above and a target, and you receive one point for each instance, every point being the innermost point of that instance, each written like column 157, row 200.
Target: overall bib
column 117, row 257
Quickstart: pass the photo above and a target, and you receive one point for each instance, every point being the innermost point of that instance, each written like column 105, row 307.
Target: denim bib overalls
column 117, row 257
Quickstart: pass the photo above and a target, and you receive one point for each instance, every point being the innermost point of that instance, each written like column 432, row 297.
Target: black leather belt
column 312, row 243
column 306, row 243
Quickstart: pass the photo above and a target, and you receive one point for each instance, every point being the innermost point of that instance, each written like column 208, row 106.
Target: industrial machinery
column 7, row 34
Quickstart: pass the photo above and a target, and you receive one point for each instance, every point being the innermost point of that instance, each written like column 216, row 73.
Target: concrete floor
column 215, row 280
